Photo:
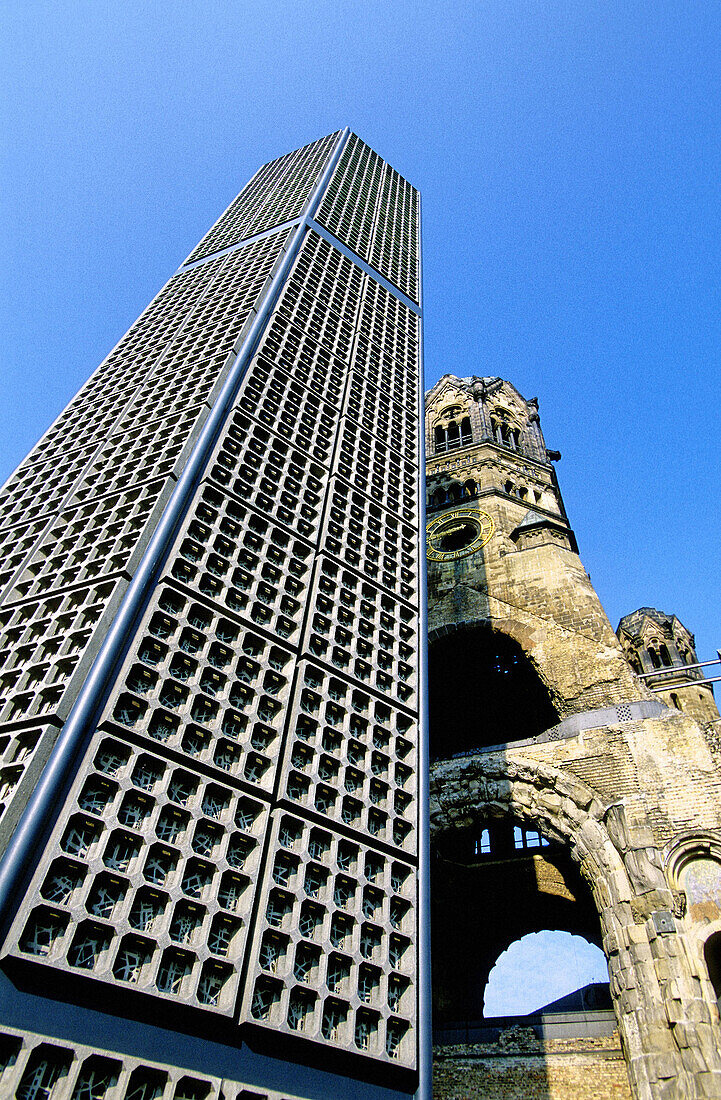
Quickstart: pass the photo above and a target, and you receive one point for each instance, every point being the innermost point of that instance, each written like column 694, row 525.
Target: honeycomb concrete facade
column 30, row 1065
column 554, row 733
column 213, row 788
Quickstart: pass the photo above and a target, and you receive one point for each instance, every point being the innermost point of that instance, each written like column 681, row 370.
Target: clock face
column 458, row 534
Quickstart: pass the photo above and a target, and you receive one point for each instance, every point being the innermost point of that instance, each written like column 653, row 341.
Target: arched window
column 664, row 655
column 453, row 435
column 440, row 436
column 466, row 435
column 655, row 659
column 454, row 491
column 438, row 498
column 675, row 700
column 504, row 433
column 470, row 488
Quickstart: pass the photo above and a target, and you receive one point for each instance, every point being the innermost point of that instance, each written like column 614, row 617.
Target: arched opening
column 466, row 436
column 454, row 492
column 453, row 435
column 483, row 691
column 712, row 957
column 493, row 884
column 675, row 700
column 664, row 656
column 548, row 971
column 470, row 488
column 655, row 659
column 440, row 438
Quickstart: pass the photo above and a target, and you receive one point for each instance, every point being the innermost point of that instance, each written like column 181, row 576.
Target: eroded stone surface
column 632, row 790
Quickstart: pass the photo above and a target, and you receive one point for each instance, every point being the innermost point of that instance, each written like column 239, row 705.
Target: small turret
column 655, row 642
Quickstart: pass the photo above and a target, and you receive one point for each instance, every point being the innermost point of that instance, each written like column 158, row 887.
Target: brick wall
column 558, row 1069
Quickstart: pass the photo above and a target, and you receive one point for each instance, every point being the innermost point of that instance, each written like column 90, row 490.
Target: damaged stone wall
column 631, row 787
column 521, row 1067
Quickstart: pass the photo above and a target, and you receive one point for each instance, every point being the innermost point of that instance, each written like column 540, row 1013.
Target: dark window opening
column 712, row 955
column 493, row 839
column 483, row 691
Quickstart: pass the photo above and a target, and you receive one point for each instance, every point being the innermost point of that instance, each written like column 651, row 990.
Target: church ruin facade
column 565, row 792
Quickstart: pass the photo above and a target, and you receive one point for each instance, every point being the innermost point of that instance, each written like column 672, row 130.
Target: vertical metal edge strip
column 425, row 1050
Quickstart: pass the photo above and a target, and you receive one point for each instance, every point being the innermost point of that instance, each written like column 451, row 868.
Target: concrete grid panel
column 333, row 956
column 148, row 881
column 69, row 1070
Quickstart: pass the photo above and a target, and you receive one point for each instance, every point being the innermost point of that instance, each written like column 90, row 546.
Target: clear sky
column 561, row 964
column 568, row 155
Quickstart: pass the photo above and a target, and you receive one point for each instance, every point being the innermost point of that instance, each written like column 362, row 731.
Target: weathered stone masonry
column 621, row 780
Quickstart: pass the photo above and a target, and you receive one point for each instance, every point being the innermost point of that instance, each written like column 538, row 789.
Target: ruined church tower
column 565, row 792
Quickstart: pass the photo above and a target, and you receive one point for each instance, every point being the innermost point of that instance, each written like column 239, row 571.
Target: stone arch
column 535, row 887
column 693, row 868
column 563, row 807
column 645, row 960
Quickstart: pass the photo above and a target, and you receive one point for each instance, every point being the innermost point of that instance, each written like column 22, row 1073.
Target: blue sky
column 568, row 156
column 560, row 964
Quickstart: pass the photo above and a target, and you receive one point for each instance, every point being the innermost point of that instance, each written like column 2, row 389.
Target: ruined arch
column 533, row 888
column 567, row 810
column 562, row 806
column 483, row 690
